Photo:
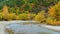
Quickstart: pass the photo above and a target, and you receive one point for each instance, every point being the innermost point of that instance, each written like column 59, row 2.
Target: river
column 25, row 28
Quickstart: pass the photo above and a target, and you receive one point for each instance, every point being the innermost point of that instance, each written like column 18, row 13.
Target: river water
column 28, row 29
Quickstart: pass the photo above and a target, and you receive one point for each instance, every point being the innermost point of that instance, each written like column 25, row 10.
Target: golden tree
column 51, row 12
column 57, row 10
column 54, row 15
column 5, row 10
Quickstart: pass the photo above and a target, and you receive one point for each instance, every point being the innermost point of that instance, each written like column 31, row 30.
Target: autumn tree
column 5, row 10
column 54, row 15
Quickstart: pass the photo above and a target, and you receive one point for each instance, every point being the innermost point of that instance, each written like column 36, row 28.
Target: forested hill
column 29, row 5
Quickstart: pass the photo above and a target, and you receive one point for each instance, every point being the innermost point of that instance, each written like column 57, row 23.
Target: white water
column 28, row 28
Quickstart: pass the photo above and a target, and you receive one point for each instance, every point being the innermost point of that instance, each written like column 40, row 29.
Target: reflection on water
column 16, row 28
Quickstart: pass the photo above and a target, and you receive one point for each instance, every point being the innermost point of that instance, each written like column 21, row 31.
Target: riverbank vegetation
column 44, row 11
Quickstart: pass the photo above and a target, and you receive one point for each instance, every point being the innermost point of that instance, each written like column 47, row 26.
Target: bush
column 13, row 16
column 5, row 10
column 51, row 12
column 54, row 15
column 32, row 16
column 40, row 16
column 1, row 16
column 51, row 21
column 17, row 17
column 57, row 10
column 10, row 16
column 58, row 22
column 25, row 16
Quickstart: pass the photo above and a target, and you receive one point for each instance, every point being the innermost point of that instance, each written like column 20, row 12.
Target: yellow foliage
column 10, row 16
column 5, row 10
column 54, row 12
column 40, row 16
column 32, row 15
column 57, row 6
column 17, row 18
column 1, row 16
column 57, row 10
column 51, row 12
column 51, row 21
column 58, row 22
column 24, row 16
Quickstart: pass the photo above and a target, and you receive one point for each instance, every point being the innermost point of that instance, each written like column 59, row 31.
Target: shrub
column 17, row 17
column 51, row 21
column 24, row 16
column 58, row 22
column 57, row 10
column 54, row 13
column 32, row 16
column 1, row 16
column 51, row 12
column 5, row 10
column 10, row 16
column 40, row 16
